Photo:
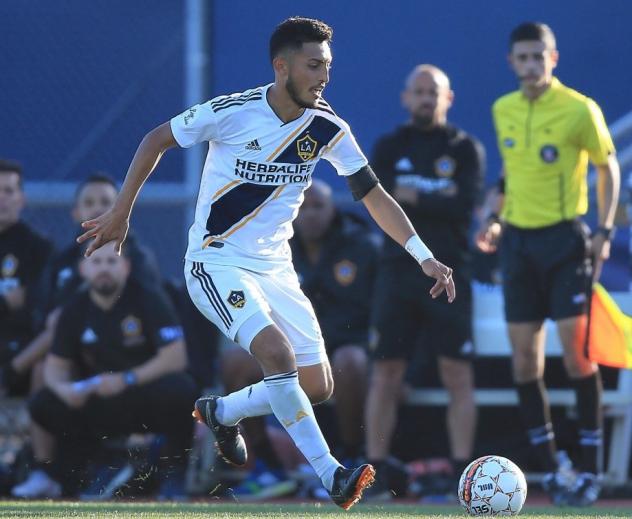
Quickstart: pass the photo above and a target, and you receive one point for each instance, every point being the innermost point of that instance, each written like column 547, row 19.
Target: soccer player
column 263, row 146
column 546, row 133
column 435, row 171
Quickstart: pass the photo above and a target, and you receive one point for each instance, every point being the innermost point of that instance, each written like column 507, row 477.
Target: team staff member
column 546, row 133
column 116, row 366
column 23, row 254
column 434, row 170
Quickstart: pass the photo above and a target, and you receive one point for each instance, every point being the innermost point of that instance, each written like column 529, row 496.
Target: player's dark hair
column 95, row 178
column 293, row 32
column 533, row 31
column 11, row 166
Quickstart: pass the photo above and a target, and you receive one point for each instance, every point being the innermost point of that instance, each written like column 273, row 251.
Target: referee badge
column 237, row 298
column 445, row 166
column 9, row 266
column 345, row 272
column 306, row 147
column 549, row 153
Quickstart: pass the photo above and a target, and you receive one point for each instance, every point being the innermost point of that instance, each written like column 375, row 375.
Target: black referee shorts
column 405, row 316
column 546, row 272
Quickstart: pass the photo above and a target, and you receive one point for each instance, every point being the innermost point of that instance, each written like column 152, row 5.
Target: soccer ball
column 492, row 485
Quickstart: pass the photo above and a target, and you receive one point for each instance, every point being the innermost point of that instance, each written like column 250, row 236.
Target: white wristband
column 417, row 249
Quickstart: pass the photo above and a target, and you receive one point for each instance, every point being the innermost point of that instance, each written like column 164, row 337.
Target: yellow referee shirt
column 545, row 145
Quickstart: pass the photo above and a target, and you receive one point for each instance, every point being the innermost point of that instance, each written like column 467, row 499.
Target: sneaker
column 264, row 483
column 229, row 441
column 349, row 485
column 586, row 490
column 556, row 485
column 107, row 482
column 37, row 485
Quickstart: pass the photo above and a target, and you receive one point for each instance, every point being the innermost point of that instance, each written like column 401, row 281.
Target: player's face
column 315, row 215
column 533, row 62
column 308, row 73
column 105, row 271
column 427, row 98
column 11, row 198
column 93, row 200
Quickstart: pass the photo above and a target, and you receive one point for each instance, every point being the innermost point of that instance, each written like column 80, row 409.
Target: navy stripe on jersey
column 253, row 96
column 323, row 105
column 197, row 271
column 238, row 203
column 321, row 130
column 216, row 103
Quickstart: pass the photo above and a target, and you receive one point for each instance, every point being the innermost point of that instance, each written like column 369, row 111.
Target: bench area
column 491, row 340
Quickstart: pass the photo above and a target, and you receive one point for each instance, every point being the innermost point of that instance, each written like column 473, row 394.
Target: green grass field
column 43, row 509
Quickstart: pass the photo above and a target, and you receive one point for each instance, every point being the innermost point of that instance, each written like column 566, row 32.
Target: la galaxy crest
column 236, row 298
column 306, row 147
column 445, row 166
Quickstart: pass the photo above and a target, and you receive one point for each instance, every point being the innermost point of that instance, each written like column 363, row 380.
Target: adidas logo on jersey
column 89, row 337
column 253, row 145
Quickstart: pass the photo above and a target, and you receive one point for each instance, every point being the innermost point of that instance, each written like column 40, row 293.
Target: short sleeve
column 344, row 153
column 161, row 319
column 197, row 124
column 595, row 136
column 66, row 339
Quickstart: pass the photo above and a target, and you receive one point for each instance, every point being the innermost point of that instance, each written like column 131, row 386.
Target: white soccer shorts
column 228, row 296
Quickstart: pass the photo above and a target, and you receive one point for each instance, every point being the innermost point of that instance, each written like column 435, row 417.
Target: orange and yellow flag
column 610, row 337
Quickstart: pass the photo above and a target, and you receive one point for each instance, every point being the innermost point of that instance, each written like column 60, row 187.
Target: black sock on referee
column 536, row 415
column 589, row 421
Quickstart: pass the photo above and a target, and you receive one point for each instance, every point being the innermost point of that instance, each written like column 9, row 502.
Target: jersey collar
column 556, row 85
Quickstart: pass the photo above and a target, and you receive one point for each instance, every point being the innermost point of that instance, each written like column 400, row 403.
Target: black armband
column 361, row 182
column 500, row 185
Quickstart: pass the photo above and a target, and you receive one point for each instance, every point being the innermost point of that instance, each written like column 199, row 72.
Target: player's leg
column 523, row 258
column 395, row 327
column 569, row 302
column 450, row 336
column 350, row 372
column 457, row 376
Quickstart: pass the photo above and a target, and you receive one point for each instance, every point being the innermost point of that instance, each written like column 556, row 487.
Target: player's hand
column 15, row 298
column 437, row 270
column 600, row 253
column 488, row 236
column 70, row 396
column 110, row 226
column 110, row 385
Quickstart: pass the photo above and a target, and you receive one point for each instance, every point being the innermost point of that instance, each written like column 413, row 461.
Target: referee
column 546, row 133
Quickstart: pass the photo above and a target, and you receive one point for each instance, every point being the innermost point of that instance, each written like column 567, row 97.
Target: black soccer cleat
column 229, row 441
column 585, row 491
column 556, row 488
column 349, row 484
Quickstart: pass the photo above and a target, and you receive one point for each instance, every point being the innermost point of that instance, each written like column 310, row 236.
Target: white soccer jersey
column 255, row 173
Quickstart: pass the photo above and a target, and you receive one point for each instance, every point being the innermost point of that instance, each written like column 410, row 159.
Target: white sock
column 294, row 410
column 249, row 401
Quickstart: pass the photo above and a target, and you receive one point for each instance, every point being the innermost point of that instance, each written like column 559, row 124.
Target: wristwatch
column 608, row 232
column 130, row 378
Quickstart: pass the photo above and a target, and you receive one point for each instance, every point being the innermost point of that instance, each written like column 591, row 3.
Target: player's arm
column 113, row 224
column 608, row 183
column 490, row 228
column 391, row 218
column 57, row 377
column 171, row 358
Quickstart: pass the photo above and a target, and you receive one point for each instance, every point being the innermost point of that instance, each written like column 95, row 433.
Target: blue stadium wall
column 82, row 81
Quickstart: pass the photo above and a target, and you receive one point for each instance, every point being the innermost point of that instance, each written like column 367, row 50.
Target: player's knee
column 457, row 376
column 578, row 366
column 350, row 361
column 272, row 350
column 525, row 367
